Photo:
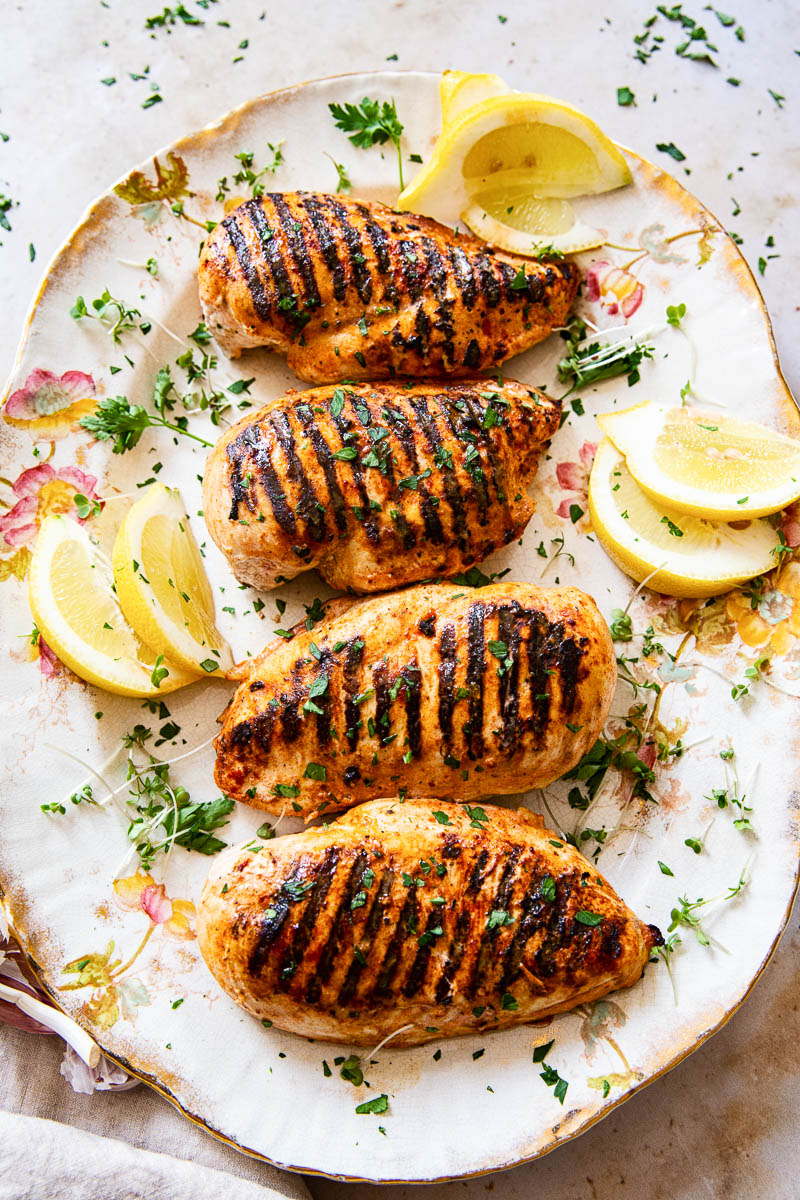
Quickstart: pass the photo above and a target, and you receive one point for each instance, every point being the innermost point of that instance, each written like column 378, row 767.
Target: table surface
column 723, row 1124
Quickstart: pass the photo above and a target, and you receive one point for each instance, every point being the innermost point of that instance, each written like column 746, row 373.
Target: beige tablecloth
column 42, row 1160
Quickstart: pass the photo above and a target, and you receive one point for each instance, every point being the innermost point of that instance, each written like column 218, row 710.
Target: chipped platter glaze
column 118, row 955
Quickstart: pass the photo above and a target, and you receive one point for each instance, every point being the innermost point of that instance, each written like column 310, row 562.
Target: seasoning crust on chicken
column 426, row 918
column 436, row 690
column 376, row 485
column 350, row 289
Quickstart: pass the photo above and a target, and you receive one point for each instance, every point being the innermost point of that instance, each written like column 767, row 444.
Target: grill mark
column 236, row 453
column 422, row 957
column 380, row 245
column 249, row 271
column 478, row 413
column 328, row 463
column 447, row 677
column 336, row 917
column 269, row 246
column 327, row 246
column 327, row 662
column 472, row 355
column 368, row 524
column 361, row 276
column 422, row 332
column 534, row 908
column 454, row 955
column 412, row 276
column 309, row 507
column 509, row 631
column 556, row 932
column 485, row 956
column 476, row 669
column 464, row 278
column 293, row 953
column 391, row 958
column 291, row 723
column 458, row 426
column 257, row 445
column 489, row 285
column 475, row 881
column 383, row 727
column 537, row 679
column 352, row 670
column 509, row 275
column 376, row 911
column 303, row 261
column 271, row 926
column 437, row 272
column 452, row 492
column 406, row 437
column 413, row 677
column 567, row 660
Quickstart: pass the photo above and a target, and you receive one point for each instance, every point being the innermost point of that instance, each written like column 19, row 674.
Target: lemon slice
column 514, row 220
column 78, row 615
column 162, row 585
column 510, row 139
column 707, row 463
column 685, row 555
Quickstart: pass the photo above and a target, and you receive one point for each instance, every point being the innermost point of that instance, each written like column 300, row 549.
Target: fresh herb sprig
column 370, row 123
column 589, row 364
column 114, row 314
column 116, row 418
column 158, row 804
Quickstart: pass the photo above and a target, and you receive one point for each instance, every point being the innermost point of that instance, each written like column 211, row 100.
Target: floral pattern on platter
column 49, row 405
column 147, row 198
column 42, row 491
column 573, row 477
column 116, row 994
column 617, row 290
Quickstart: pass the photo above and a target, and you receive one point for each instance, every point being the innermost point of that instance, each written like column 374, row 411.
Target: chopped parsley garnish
column 370, row 123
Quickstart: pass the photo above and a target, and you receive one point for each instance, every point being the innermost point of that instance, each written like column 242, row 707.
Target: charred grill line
column 463, row 435
column 334, row 941
column 326, row 241
column 478, row 414
column 391, row 958
column 291, row 722
column 476, row 670
column 272, row 924
column 272, row 252
column 413, row 677
column 405, row 435
column 383, row 259
column 294, row 951
column 361, row 276
column 447, row 678
column 309, row 508
column 464, row 279
column 509, row 631
column 567, row 659
column 303, row 261
column 556, row 926
column 236, row 487
column 250, row 441
column 538, row 680
column 352, row 671
column 383, row 716
column 328, row 464
column 422, row 957
column 501, row 901
column 475, row 881
column 250, row 274
column 490, row 288
column 369, row 524
column 534, row 909
column 453, row 957
column 327, row 662
column 376, row 911
column 410, row 267
column 452, row 492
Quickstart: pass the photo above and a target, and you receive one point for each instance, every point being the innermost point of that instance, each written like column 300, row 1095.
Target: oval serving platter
column 115, row 946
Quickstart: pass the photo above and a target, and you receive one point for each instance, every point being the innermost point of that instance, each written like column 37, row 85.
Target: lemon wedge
column 706, row 463
column 78, row 615
column 684, row 554
column 162, row 585
column 497, row 147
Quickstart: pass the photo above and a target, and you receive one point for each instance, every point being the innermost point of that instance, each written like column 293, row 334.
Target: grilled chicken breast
column 374, row 484
column 420, row 917
column 352, row 290
column 437, row 690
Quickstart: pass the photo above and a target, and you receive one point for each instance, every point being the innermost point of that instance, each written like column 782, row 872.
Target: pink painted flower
column 140, row 891
column 618, row 291
column 49, row 405
column 574, row 477
column 42, row 492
